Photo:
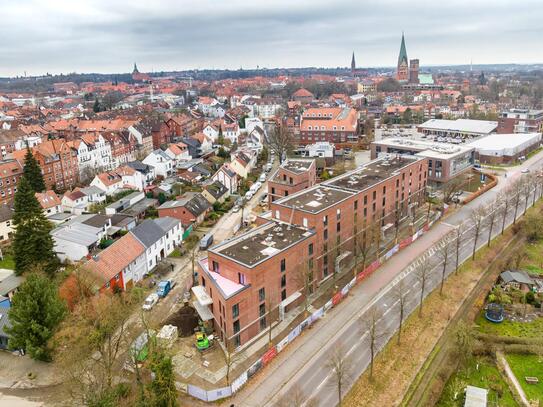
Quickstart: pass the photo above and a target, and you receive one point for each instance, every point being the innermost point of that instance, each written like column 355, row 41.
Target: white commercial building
column 504, row 148
column 459, row 128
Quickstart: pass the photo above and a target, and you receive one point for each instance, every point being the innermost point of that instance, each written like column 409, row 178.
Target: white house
column 110, row 182
column 252, row 122
column 178, row 152
column 50, row 202
column 211, row 131
column 205, row 103
column 93, row 154
column 131, row 179
column 228, row 177
column 75, row 202
column 161, row 161
column 243, row 162
column 159, row 237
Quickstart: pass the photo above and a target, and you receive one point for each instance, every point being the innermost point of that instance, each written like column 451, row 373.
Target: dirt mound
column 186, row 319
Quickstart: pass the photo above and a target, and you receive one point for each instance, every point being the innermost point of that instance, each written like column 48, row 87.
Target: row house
column 136, row 254
column 10, row 173
column 189, row 208
column 58, row 162
column 182, row 125
column 93, row 155
column 123, row 147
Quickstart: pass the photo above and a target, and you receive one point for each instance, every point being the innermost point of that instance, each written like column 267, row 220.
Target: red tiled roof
column 48, row 199
column 116, row 257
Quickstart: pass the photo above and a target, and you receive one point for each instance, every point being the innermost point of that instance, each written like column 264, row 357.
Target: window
column 235, row 310
column 338, row 214
column 325, row 220
column 283, row 281
column 283, row 295
column 338, row 227
column 355, row 205
column 277, row 215
column 325, row 234
column 215, row 266
column 241, row 278
column 309, row 248
column 107, row 284
column 235, row 326
column 310, row 264
column 262, row 323
column 304, row 222
column 365, row 199
column 262, row 294
column 203, row 282
column 117, row 277
column 283, row 265
column 262, row 310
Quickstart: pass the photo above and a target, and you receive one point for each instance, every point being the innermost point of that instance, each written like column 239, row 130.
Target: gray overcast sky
column 109, row 35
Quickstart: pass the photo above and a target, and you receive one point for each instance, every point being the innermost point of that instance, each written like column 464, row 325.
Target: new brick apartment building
column 333, row 124
column 248, row 275
column 310, row 230
column 292, row 176
column 520, row 121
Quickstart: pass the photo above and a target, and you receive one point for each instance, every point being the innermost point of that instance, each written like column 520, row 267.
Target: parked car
column 525, row 171
column 262, row 178
column 164, row 287
column 206, row 241
column 258, row 184
column 150, row 301
column 248, row 195
column 235, row 209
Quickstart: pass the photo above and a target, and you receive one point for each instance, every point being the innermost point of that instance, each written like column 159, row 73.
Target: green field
column 528, row 365
column 509, row 328
column 480, row 372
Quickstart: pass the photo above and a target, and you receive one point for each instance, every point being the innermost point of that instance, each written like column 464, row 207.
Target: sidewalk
column 512, row 378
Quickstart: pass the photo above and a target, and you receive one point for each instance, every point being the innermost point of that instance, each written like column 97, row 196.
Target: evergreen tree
column 96, row 106
column 32, row 243
column 35, row 313
column 163, row 392
column 220, row 138
column 32, row 172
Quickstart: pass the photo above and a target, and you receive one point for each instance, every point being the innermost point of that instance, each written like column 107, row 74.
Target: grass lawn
column 533, row 261
column 176, row 253
column 7, row 263
column 486, row 376
column 528, row 365
column 510, row 328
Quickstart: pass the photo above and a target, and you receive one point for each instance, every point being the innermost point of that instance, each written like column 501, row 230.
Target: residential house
column 228, row 177
column 178, row 152
column 110, row 182
column 147, row 171
column 206, row 144
column 211, row 130
column 189, row 208
column 243, row 162
column 159, row 237
column 6, row 223
column 74, row 202
column 120, row 265
column 215, row 192
column 162, row 163
column 9, row 283
column 93, row 155
column 50, row 202
column 10, row 173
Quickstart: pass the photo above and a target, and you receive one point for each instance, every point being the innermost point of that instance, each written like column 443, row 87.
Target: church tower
column 402, row 71
column 353, row 64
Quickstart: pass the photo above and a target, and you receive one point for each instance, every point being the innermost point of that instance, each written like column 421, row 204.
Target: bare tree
column 281, row 141
column 369, row 324
column 340, row 367
column 477, row 218
column 457, row 243
column 422, row 273
column 451, row 188
column 491, row 219
column 295, row 397
column 397, row 214
column 444, row 251
column 361, row 253
column 503, row 205
column 230, row 357
column 527, row 189
column 400, row 292
column 304, row 278
column 516, row 192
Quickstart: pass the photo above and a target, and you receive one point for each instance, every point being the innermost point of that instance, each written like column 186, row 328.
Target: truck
column 164, row 287
column 206, row 241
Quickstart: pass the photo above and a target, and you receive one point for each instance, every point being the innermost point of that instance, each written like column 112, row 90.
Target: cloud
column 108, row 36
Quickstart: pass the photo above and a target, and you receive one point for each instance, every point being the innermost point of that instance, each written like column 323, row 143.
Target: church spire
column 135, row 68
column 353, row 63
column 403, row 53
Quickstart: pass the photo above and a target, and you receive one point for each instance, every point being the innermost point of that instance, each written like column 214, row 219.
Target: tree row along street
column 304, row 365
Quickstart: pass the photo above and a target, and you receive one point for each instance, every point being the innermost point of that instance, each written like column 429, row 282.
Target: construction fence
column 270, row 354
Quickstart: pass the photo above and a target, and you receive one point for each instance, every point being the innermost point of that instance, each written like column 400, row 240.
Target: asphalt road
column 302, row 366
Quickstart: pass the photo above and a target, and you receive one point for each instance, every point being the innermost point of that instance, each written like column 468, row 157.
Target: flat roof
column 372, row 173
column 261, row 243
column 505, row 144
column 315, row 199
column 461, row 125
column 297, row 166
column 432, row 149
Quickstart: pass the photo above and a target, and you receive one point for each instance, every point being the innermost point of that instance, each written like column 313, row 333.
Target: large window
column 262, row 294
column 283, row 265
column 235, row 310
column 236, row 326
